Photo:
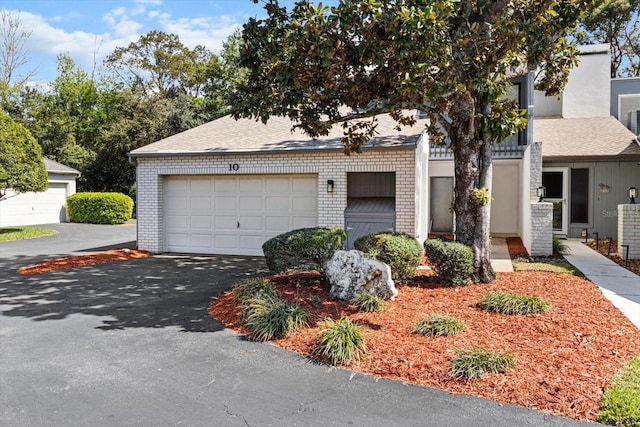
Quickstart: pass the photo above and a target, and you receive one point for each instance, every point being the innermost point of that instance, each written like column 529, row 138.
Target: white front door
column 556, row 183
column 235, row 215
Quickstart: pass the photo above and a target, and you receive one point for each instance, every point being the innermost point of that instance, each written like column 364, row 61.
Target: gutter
column 133, row 156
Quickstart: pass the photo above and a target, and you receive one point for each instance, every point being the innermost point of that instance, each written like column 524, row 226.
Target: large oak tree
column 450, row 58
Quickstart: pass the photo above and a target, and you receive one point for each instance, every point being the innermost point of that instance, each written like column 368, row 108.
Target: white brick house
column 228, row 186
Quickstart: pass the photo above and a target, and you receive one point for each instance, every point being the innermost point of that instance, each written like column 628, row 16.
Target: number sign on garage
column 235, row 214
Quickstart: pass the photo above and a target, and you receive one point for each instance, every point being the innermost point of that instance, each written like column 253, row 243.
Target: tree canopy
column 616, row 22
column 21, row 166
column 453, row 59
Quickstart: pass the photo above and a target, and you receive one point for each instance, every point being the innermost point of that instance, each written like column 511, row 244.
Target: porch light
column 330, row 186
column 632, row 192
column 541, row 192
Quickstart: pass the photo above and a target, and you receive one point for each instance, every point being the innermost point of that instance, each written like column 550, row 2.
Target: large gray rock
column 351, row 273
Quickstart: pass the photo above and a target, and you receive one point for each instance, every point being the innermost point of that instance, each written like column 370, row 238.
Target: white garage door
column 235, row 215
column 31, row 208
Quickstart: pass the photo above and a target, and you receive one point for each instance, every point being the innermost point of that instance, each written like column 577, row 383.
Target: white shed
column 46, row 207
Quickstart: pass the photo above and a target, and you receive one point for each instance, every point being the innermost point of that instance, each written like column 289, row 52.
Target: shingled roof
column 226, row 135
column 55, row 167
column 585, row 138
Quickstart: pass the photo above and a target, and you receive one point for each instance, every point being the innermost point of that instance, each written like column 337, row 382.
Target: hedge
column 303, row 249
column 99, row 208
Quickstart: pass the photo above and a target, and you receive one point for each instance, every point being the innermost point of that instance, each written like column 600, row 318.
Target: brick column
column 629, row 230
column 541, row 229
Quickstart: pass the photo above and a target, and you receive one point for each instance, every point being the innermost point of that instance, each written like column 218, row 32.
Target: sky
column 88, row 30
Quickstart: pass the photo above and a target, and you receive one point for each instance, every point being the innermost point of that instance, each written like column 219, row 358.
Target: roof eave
column 134, row 155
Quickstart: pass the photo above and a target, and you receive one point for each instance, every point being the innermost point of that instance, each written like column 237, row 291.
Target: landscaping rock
column 351, row 273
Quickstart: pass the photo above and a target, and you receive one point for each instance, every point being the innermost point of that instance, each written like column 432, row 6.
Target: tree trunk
column 472, row 170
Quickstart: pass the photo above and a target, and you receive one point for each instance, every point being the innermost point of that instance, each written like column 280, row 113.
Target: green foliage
column 268, row 317
column 159, row 63
column 476, row 362
column 340, row 342
column 368, row 302
column 620, row 404
column 559, row 247
column 438, row 325
column 452, row 261
column 399, row 250
column 481, row 196
column 615, row 22
column 554, row 266
column 21, row 166
column 22, row 233
column 99, row 208
column 253, row 288
column 508, row 303
column 302, row 249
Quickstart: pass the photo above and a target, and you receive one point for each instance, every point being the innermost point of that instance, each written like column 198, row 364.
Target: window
column 580, row 196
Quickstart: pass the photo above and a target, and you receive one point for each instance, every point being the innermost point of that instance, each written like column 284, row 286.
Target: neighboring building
column 227, row 186
column 590, row 159
column 625, row 102
column 45, row 207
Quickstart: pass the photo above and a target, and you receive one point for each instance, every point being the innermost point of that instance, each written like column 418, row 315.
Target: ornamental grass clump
column 253, row 288
column 620, row 405
column 368, row 302
column 508, row 303
column 268, row 317
column 476, row 362
column 340, row 342
column 438, row 325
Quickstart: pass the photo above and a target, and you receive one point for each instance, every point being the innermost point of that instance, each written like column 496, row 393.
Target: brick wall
column 327, row 165
column 541, row 229
column 629, row 230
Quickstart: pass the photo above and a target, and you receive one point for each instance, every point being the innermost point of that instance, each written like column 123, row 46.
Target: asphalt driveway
column 131, row 344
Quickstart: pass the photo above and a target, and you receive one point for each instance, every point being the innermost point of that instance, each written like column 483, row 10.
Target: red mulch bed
column 516, row 248
column 67, row 263
column 564, row 357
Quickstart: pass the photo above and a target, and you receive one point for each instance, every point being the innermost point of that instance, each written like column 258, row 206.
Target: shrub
column 302, row 249
column 368, row 302
column 476, row 362
column 452, row 261
column 620, row 404
column 559, row 247
column 253, row 288
column 340, row 341
column 99, row 208
column 268, row 317
column 399, row 250
column 507, row 303
column 438, row 325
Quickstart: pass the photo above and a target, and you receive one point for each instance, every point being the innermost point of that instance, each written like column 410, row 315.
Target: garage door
column 31, row 208
column 235, row 215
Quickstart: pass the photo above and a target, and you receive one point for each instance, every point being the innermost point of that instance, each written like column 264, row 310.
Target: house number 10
column 234, row 166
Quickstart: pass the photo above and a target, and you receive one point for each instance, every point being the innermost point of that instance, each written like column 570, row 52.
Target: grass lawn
column 553, row 266
column 21, row 233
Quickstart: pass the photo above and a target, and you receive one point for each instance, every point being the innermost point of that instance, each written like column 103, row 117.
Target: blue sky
column 88, row 29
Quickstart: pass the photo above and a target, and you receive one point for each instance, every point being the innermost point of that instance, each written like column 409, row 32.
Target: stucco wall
column 588, row 89
column 327, row 165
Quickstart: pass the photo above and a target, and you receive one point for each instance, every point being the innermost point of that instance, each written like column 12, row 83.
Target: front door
column 555, row 180
column 441, row 199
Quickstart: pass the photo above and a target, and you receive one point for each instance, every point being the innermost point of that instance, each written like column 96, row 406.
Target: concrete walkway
column 618, row 284
column 500, row 258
